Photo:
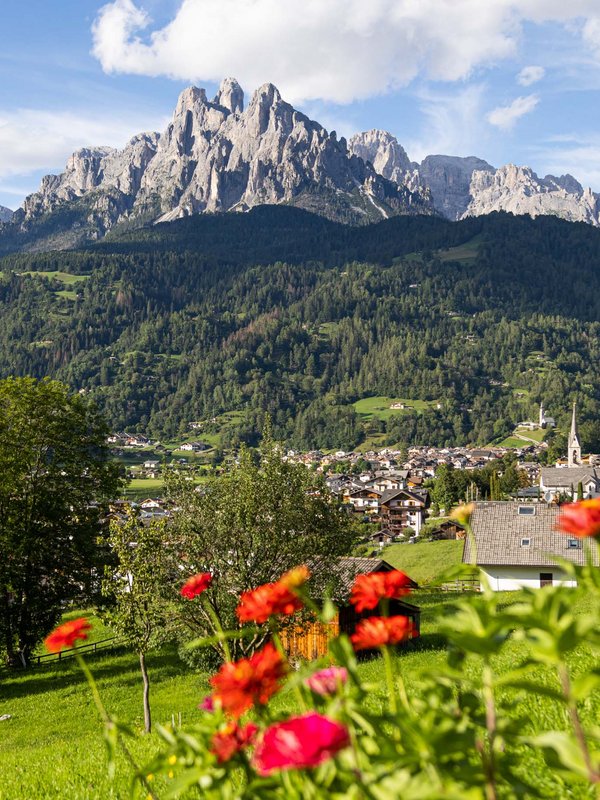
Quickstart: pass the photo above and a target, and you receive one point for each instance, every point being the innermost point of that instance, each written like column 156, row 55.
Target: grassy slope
column 424, row 561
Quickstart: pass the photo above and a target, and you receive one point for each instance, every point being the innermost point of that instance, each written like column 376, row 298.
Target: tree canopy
column 55, row 477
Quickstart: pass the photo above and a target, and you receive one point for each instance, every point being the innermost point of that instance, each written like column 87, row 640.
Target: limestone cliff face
column 216, row 156
column 520, row 191
column 5, row 214
column 449, row 179
column 462, row 187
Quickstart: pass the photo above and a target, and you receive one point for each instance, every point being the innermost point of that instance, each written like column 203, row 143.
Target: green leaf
column 564, row 746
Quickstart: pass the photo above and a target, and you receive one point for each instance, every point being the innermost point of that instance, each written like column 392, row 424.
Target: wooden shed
column 310, row 641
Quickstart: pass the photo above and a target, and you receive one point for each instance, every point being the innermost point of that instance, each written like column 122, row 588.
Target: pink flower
column 301, row 742
column 208, row 704
column 327, row 681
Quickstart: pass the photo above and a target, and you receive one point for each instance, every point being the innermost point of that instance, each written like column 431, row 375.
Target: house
column 396, row 480
column 516, row 544
column 193, row 447
column 151, row 465
column 311, row 641
column 363, row 500
column 448, row 530
column 401, row 508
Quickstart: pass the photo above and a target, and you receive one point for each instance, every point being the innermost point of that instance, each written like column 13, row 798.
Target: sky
column 510, row 81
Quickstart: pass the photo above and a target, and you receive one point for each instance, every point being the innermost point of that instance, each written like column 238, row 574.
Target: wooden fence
column 86, row 649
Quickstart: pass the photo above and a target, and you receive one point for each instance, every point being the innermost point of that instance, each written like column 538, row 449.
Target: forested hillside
column 283, row 312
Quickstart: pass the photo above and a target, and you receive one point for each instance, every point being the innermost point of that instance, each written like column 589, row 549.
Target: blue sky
column 507, row 80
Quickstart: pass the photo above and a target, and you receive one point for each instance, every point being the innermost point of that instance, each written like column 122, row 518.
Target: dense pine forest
column 278, row 311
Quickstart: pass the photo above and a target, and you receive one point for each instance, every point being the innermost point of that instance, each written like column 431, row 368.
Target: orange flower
column 67, row 634
column 377, row 631
column 369, row 589
column 241, row 684
column 580, row 519
column 279, row 597
column 233, row 738
column 196, row 585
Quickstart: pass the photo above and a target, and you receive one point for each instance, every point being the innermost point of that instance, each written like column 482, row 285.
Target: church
column 557, row 482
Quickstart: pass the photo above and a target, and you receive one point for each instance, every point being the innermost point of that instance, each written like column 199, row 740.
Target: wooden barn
column 310, row 641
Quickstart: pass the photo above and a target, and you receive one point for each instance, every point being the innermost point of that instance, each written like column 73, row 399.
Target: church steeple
column 574, row 448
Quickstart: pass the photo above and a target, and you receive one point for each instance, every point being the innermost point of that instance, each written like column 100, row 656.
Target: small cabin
column 310, row 641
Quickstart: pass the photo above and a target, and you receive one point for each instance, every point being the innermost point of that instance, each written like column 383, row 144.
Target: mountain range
column 218, row 156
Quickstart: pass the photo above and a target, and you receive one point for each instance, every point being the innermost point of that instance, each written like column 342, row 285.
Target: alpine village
column 299, row 437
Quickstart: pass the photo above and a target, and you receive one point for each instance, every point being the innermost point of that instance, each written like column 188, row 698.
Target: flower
column 241, row 684
column 369, row 589
column 278, row 597
column 196, row 585
column 580, row 519
column 208, row 704
column 67, row 634
column 327, row 681
column 300, row 742
column 462, row 514
column 377, row 631
column 233, row 738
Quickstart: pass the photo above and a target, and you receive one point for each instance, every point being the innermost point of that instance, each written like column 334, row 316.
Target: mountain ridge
column 469, row 186
column 218, row 155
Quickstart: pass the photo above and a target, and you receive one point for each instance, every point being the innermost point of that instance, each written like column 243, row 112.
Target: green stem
column 281, row 650
column 217, row 626
column 109, row 723
column 488, row 754
column 565, row 682
column 389, row 676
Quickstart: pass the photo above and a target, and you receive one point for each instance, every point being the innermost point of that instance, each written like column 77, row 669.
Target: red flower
column 279, row 597
column 369, row 589
column 377, row 631
column 196, row 585
column 232, row 739
column 300, row 742
column 327, row 681
column 67, row 634
column 241, row 684
column 580, row 519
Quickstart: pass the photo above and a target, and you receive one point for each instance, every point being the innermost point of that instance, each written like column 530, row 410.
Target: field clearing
column 463, row 252
column 57, row 275
column 380, row 406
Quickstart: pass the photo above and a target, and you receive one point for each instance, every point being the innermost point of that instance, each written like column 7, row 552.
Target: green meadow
column 52, row 747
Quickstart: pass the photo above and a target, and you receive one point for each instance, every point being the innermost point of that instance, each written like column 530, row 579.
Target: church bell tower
column 574, row 448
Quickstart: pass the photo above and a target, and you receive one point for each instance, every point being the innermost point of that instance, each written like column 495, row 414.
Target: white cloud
column 504, row 117
column 576, row 155
column 530, row 75
column 336, row 50
column 453, row 123
column 33, row 139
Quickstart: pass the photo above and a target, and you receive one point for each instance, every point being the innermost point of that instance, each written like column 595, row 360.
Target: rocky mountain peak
column 5, row 214
column 188, row 100
column 383, row 151
column 215, row 156
column 230, row 96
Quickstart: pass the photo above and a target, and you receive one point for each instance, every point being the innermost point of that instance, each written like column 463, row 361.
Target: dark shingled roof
column 348, row 568
column 498, row 528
